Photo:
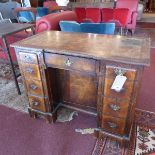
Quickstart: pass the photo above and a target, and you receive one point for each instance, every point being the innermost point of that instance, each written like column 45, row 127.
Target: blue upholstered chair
column 26, row 15
column 41, row 11
column 99, row 28
column 69, row 26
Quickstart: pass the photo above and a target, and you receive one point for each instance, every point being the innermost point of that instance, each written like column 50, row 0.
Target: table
column 9, row 29
column 77, row 70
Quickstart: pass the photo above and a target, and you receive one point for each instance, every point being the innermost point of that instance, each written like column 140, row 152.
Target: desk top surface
column 131, row 50
column 9, row 28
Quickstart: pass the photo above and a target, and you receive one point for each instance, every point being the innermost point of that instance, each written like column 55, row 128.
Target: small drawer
column 28, row 58
column 113, row 124
column 71, row 62
column 115, row 107
column 37, row 103
column 112, row 72
column 34, row 87
column 125, row 93
column 31, row 71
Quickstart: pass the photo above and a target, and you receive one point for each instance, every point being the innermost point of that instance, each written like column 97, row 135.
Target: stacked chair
column 69, row 26
column 132, row 5
column 124, row 15
column 97, row 28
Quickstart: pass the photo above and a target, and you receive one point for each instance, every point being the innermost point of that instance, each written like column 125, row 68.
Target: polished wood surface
column 9, row 28
column 77, row 71
column 116, row 48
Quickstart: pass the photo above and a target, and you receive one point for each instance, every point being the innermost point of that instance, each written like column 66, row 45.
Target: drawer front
column 111, row 72
column 34, row 87
column 70, row 62
column 113, row 125
column 116, row 108
column 37, row 103
column 126, row 92
column 28, row 58
column 31, row 71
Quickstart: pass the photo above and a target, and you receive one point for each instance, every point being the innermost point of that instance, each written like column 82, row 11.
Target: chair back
column 26, row 15
column 121, row 15
column 98, row 28
column 81, row 14
column 93, row 14
column 69, row 26
column 107, row 14
column 118, row 15
column 41, row 11
column 132, row 5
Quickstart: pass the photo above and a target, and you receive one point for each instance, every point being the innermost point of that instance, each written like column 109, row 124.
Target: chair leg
column 126, row 32
column 132, row 32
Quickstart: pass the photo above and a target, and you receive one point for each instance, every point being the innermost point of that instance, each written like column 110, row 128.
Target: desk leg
column 11, row 63
column 33, row 30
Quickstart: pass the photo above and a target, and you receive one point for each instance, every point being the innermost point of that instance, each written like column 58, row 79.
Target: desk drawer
column 28, row 58
column 37, row 103
column 70, row 62
column 31, row 71
column 111, row 73
column 114, row 125
column 115, row 107
column 34, row 87
column 125, row 93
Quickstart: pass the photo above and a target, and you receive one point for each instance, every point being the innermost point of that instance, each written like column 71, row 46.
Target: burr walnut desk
column 77, row 70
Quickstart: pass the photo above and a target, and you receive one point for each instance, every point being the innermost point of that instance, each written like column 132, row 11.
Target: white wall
column 62, row 2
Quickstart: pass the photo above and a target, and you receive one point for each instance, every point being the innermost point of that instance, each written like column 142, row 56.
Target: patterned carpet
column 142, row 143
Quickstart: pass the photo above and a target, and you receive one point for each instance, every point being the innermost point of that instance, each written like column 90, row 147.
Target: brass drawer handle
column 29, row 70
column 114, row 107
column 119, row 71
column 27, row 58
column 112, row 125
column 68, row 62
column 33, row 86
column 35, row 103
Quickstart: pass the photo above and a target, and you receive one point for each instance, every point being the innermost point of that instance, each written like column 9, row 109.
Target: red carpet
column 22, row 135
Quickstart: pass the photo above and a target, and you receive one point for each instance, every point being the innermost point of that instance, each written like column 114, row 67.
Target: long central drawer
column 70, row 62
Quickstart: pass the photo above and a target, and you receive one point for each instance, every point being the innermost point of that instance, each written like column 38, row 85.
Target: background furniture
column 41, row 11
column 69, row 26
column 51, row 21
column 140, row 11
column 5, row 21
column 73, row 5
column 80, row 76
column 52, row 6
column 98, row 28
column 81, row 14
column 1, row 17
column 26, row 14
column 7, row 29
column 94, row 14
column 133, row 7
column 7, row 9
